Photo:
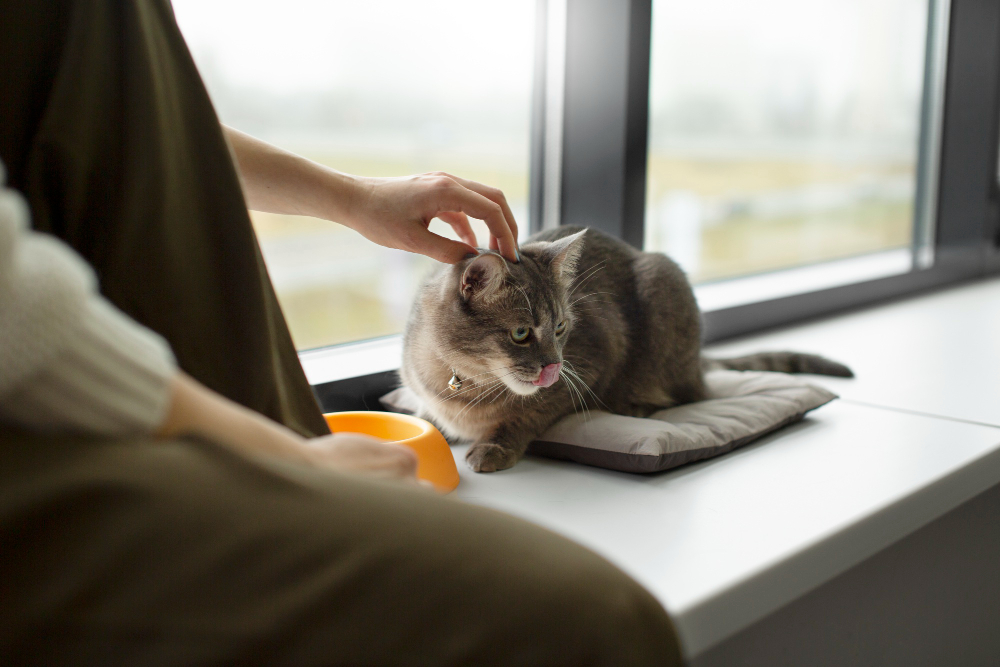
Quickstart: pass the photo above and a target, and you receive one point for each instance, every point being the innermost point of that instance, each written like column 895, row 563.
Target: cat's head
column 509, row 322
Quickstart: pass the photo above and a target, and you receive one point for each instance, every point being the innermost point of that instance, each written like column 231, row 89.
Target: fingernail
column 517, row 256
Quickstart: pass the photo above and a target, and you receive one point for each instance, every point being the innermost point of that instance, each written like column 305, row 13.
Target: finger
column 404, row 459
column 467, row 200
column 495, row 195
column 388, row 460
column 460, row 223
column 438, row 247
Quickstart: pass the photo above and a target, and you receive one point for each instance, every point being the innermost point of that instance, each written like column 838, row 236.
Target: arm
column 72, row 362
column 393, row 212
column 197, row 410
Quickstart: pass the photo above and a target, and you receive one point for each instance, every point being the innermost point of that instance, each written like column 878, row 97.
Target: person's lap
column 143, row 552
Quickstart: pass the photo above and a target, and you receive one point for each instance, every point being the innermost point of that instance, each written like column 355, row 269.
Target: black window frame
column 603, row 149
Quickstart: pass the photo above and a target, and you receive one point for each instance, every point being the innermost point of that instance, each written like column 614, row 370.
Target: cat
column 499, row 351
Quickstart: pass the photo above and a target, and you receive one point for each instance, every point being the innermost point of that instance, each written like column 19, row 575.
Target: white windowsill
column 801, row 280
column 724, row 543
column 341, row 362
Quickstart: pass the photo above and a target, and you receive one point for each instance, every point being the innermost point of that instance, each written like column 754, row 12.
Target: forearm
column 197, row 411
column 393, row 212
column 277, row 181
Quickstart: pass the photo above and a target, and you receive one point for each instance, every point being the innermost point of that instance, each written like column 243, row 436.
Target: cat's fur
column 631, row 343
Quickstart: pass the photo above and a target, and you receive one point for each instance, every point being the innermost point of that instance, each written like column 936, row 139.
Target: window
column 798, row 157
column 712, row 130
column 375, row 88
column 783, row 132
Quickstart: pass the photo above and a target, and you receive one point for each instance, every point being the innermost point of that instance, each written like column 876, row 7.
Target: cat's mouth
column 525, row 386
column 521, row 386
column 548, row 376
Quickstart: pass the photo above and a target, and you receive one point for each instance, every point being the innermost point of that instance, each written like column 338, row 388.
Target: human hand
column 353, row 452
column 195, row 410
column 395, row 213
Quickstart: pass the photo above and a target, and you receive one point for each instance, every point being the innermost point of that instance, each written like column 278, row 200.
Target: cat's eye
column 520, row 334
column 561, row 328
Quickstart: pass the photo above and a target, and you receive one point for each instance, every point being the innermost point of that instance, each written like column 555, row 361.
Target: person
column 169, row 493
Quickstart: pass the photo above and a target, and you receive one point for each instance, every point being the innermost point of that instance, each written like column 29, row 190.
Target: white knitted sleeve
column 69, row 360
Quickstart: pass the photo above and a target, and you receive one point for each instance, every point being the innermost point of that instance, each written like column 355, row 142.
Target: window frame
column 589, row 149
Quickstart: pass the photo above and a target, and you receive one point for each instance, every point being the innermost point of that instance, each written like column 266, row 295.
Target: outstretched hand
column 396, row 212
column 393, row 212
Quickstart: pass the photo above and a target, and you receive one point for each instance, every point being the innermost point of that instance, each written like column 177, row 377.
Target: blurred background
column 376, row 88
column 782, row 132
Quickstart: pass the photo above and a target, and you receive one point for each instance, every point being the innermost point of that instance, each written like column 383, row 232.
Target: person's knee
column 621, row 621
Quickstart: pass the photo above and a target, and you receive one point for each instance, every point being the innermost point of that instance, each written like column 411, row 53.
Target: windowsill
column 802, row 280
column 724, row 543
column 352, row 360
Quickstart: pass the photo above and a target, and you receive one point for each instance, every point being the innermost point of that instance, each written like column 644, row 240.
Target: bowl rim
column 425, row 426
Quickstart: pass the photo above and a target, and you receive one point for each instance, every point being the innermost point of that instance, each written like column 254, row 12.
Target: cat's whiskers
column 589, row 313
column 496, row 395
column 583, row 399
column 478, row 399
column 494, row 399
column 572, row 398
column 480, row 386
column 574, row 390
column 590, row 294
column 506, row 399
column 571, row 369
column 526, row 299
column 488, row 384
column 585, row 276
column 503, row 387
column 483, row 386
column 584, row 362
column 564, row 374
column 474, row 384
column 572, row 378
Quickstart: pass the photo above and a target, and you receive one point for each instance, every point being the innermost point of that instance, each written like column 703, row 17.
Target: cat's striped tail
column 780, row 362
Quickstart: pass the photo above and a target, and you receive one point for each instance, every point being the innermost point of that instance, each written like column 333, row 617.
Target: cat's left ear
column 483, row 277
column 563, row 255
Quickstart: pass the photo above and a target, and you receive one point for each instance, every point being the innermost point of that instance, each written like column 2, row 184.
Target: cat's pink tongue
column 548, row 376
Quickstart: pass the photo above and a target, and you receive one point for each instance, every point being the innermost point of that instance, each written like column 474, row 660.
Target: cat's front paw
column 488, row 457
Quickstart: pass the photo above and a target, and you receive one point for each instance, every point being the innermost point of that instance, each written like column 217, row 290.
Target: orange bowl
column 435, row 461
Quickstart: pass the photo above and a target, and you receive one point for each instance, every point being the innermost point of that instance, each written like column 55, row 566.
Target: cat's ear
column 563, row 254
column 483, row 277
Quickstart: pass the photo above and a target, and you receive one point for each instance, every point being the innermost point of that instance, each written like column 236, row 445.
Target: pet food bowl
column 435, row 461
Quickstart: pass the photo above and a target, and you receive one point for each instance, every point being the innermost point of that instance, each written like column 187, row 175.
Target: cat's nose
column 548, row 376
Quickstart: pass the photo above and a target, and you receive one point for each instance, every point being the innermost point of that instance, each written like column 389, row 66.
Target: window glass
column 376, row 88
column 782, row 132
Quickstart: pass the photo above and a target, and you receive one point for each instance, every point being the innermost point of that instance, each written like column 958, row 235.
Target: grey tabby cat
column 488, row 341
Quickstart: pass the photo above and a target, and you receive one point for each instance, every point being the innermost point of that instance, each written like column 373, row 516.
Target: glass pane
column 782, row 132
column 376, row 88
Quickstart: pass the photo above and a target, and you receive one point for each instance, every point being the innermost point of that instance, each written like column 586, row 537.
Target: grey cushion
column 742, row 406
